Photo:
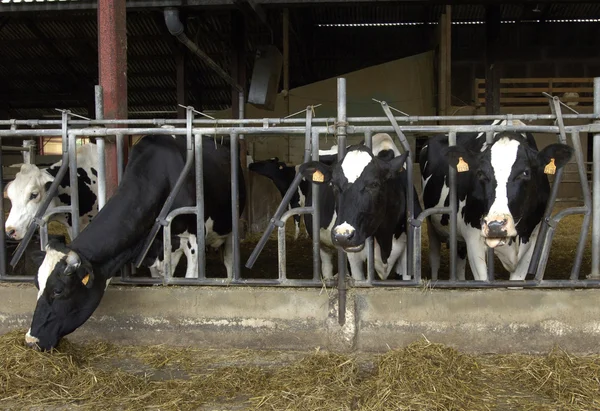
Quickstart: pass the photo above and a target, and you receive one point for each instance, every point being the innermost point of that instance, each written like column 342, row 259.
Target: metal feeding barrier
column 194, row 130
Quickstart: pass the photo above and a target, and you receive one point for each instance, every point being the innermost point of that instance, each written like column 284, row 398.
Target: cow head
column 508, row 178
column 67, row 297
column 360, row 186
column 26, row 193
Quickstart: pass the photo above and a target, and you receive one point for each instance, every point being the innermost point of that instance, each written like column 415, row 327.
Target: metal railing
column 194, row 128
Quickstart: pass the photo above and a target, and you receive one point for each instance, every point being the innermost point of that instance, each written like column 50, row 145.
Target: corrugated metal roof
column 54, row 54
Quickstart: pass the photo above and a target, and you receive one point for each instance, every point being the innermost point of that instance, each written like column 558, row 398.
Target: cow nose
column 497, row 228
column 11, row 232
column 32, row 345
column 343, row 234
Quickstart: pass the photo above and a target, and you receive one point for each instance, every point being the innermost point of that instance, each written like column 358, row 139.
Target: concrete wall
column 484, row 321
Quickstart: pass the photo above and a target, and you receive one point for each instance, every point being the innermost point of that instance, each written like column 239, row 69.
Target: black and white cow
column 370, row 189
column 30, row 187
column 501, row 198
column 72, row 280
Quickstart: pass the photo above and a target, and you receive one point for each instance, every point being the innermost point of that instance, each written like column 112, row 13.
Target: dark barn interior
column 50, row 49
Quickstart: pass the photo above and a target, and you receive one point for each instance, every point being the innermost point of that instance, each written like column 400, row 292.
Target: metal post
column 316, row 216
column 112, row 72
column 200, row 235
column 307, row 137
column 453, row 211
column 489, row 139
column 100, row 147
column 2, row 235
column 73, row 179
column 120, row 156
column 587, row 202
column 281, row 261
column 596, row 190
column 341, row 140
column 369, row 242
column 29, row 153
column 235, row 207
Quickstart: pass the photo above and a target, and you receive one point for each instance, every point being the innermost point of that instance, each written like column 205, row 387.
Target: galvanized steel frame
column 311, row 128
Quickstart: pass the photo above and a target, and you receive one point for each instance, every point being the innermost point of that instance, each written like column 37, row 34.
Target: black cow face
column 67, row 297
column 360, row 186
column 508, row 178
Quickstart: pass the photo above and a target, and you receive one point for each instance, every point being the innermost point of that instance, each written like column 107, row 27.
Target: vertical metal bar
column 369, row 243
column 341, row 140
column 29, row 154
column 596, row 190
column 316, row 215
column 537, row 265
column 308, row 135
column 281, row 261
column 587, row 202
column 200, row 235
column 417, row 260
column 100, row 148
column 545, row 234
column 120, row 156
column 43, row 236
column 2, row 234
column 235, row 220
column 74, row 185
column 410, row 215
column 453, row 207
column 167, row 261
column 489, row 139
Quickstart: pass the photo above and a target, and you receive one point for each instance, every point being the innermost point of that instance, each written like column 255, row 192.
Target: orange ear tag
column 462, row 165
column 318, row 177
column 550, row 167
column 85, row 279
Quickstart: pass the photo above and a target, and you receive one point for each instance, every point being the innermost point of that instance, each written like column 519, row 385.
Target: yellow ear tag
column 462, row 165
column 550, row 167
column 318, row 176
column 85, row 279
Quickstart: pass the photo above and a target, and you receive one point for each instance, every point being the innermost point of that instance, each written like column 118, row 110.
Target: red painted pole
column 112, row 69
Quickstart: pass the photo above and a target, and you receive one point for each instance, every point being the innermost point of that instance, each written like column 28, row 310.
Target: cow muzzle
column 343, row 236
column 498, row 230
column 31, row 341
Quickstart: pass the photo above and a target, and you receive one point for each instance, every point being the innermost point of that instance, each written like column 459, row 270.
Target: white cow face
column 26, row 193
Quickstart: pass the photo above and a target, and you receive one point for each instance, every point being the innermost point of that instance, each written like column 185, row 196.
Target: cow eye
column 33, row 196
column 57, row 292
column 481, row 176
column 374, row 184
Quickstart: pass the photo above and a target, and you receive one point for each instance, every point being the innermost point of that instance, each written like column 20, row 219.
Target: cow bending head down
column 509, row 182
column 26, row 193
column 67, row 297
column 361, row 186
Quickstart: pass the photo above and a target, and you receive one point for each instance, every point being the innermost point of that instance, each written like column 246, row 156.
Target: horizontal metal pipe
column 95, row 132
column 486, row 284
column 431, row 211
column 257, row 282
column 403, row 119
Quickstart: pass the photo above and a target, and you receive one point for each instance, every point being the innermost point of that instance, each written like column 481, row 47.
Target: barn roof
column 49, row 58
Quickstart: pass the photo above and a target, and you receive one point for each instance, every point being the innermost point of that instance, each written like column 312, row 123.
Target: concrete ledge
column 498, row 321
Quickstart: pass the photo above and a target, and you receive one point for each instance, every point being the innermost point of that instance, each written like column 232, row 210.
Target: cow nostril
column 350, row 235
column 11, row 232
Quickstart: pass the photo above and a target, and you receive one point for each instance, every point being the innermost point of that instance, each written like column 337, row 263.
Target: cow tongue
column 495, row 242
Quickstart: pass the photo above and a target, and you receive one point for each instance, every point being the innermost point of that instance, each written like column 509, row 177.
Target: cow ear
column 554, row 156
column 86, row 275
column 316, row 172
column 396, row 165
column 460, row 158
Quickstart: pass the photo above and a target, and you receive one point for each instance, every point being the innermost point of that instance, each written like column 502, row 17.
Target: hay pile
column 422, row 376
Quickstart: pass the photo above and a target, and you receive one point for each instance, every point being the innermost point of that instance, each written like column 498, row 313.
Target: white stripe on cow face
column 503, row 157
column 354, row 164
column 52, row 258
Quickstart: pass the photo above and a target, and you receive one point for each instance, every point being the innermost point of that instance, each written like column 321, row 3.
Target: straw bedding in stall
column 422, row 376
